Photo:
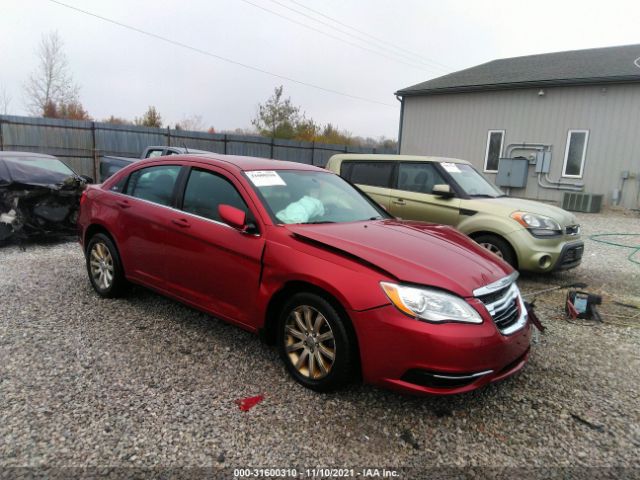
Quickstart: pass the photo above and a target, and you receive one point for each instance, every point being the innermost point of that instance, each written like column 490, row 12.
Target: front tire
column 104, row 267
column 498, row 247
column 315, row 343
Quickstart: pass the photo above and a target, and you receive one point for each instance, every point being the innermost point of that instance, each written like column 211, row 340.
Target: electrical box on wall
column 512, row 172
column 543, row 161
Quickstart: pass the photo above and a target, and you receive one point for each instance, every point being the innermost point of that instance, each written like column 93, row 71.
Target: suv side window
column 154, row 184
column 206, row 190
column 418, row 177
column 374, row 174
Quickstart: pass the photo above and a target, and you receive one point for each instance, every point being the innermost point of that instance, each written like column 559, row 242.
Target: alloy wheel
column 492, row 248
column 102, row 268
column 309, row 342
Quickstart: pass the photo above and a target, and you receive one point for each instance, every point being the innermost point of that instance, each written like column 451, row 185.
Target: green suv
column 529, row 235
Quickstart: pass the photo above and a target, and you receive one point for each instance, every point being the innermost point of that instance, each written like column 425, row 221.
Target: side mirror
column 442, row 190
column 232, row 216
column 87, row 178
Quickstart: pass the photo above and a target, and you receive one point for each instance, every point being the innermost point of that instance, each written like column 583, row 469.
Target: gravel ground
column 144, row 381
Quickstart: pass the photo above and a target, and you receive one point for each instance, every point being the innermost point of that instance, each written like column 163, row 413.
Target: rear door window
column 154, row 184
column 418, row 177
column 119, row 185
column 206, row 190
column 374, row 174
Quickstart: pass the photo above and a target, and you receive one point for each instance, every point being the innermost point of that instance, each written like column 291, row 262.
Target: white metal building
column 575, row 116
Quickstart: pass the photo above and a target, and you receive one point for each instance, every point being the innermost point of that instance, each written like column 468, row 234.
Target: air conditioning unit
column 582, row 202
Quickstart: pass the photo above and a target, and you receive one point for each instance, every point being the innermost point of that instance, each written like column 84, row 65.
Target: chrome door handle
column 181, row 222
column 399, row 202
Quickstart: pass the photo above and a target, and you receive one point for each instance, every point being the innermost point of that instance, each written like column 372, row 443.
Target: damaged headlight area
column 36, row 201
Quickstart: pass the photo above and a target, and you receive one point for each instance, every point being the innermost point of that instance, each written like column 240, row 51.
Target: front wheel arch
column 477, row 235
column 319, row 353
column 119, row 283
column 280, row 298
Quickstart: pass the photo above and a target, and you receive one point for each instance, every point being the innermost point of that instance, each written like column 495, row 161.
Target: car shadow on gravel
column 38, row 241
column 196, row 334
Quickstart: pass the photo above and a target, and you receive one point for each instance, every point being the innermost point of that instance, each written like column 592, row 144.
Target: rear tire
column 315, row 343
column 499, row 247
column 104, row 267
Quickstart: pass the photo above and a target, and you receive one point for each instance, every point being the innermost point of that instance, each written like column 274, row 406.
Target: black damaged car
column 39, row 196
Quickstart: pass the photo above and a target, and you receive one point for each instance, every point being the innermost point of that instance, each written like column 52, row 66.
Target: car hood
column 412, row 252
column 508, row 205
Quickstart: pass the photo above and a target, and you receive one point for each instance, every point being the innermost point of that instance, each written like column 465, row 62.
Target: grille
column 494, row 296
column 572, row 230
column 507, row 317
column 572, row 255
column 504, row 306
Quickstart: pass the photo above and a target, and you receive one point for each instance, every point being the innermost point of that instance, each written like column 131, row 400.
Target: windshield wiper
column 317, row 222
column 485, row 195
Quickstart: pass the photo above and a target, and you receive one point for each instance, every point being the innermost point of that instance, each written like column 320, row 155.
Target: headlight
column 538, row 224
column 431, row 305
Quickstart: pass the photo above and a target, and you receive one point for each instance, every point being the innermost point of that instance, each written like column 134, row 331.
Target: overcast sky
column 122, row 72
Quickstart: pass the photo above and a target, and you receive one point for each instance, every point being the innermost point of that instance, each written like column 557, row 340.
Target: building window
column 575, row 153
column 495, row 139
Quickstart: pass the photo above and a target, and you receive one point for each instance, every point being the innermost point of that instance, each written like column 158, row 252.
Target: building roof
column 576, row 67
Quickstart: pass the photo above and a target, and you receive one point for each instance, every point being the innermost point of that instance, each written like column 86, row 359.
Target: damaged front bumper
column 38, row 210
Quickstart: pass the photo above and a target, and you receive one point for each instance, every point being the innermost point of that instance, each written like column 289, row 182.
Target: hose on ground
column 635, row 248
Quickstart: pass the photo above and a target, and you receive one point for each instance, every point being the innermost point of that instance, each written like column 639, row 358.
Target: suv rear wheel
column 315, row 344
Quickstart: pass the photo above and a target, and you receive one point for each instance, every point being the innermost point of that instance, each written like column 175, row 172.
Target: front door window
column 418, row 177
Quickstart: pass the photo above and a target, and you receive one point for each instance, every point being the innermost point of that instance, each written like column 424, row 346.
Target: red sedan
column 301, row 256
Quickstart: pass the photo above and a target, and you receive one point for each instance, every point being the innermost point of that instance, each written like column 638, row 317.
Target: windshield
column 51, row 164
column 296, row 196
column 30, row 170
column 473, row 184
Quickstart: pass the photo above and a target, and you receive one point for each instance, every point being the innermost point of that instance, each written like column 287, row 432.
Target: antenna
column 184, row 145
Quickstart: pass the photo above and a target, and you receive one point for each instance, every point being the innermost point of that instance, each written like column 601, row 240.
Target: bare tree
column 50, row 83
column 5, row 101
column 192, row 122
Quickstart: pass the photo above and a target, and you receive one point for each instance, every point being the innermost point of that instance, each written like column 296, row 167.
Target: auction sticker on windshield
column 265, row 178
column 450, row 167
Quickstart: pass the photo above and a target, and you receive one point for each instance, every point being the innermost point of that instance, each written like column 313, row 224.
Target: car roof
column 180, row 149
column 6, row 153
column 238, row 162
column 396, row 158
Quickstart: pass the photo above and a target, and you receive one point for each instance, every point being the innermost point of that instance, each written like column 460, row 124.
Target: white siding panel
column 456, row 125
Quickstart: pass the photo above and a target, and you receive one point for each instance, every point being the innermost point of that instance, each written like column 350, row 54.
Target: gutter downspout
column 401, row 100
